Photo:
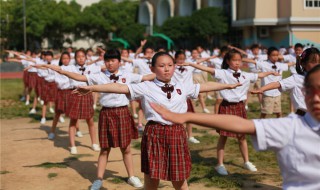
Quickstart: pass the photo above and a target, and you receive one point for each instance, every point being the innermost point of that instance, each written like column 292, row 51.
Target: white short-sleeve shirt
column 296, row 142
column 150, row 91
column 51, row 73
column 240, row 93
column 191, row 60
column 295, row 83
column 143, row 66
column 183, row 74
column 127, row 67
column 89, row 69
column 217, row 62
column 111, row 100
column 63, row 82
column 266, row 66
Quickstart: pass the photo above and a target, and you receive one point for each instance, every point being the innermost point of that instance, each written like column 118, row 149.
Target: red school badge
column 179, row 91
column 123, row 80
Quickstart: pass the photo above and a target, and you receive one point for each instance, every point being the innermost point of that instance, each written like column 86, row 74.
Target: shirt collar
column 159, row 83
column 232, row 71
column 78, row 66
column 313, row 124
column 119, row 73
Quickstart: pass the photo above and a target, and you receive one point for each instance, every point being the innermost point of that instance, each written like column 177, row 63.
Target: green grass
column 117, row 180
column 4, row 172
column 52, row 175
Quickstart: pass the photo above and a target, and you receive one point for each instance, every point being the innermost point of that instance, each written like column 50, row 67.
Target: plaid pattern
column 61, row 103
column 164, row 152
column 81, row 107
column 190, row 106
column 49, row 92
column 26, row 78
column 232, row 109
column 39, row 86
column 116, row 127
column 32, row 80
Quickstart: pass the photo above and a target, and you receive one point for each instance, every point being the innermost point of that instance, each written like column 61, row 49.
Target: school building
column 267, row 22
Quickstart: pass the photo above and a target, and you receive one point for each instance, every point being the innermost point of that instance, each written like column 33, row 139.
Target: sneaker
column 41, row 102
column 94, row 106
column 96, row 147
column 73, row 150
column 193, row 140
column 51, row 136
column 61, row 119
column 51, row 110
column 39, row 99
column 205, row 110
column 22, row 99
column 246, row 107
column 32, row 111
column 135, row 116
column 96, row 185
column 27, row 103
column 209, row 97
column 135, row 182
column 79, row 134
column 140, row 128
column 221, row 170
column 250, row 166
column 43, row 120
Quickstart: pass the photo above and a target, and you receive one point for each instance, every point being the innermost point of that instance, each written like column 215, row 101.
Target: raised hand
column 143, row 42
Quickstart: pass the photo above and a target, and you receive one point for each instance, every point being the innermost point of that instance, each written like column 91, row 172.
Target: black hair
column 298, row 45
column 112, row 54
column 254, row 46
column 306, row 56
column 89, row 49
column 271, row 49
column 78, row 51
column 224, row 49
column 63, row 53
column 313, row 70
column 179, row 52
column 48, row 53
column 228, row 57
column 159, row 54
column 148, row 47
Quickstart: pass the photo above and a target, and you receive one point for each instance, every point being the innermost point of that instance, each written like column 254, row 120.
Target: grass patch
column 117, row 180
column 4, row 172
column 51, row 165
column 136, row 145
column 52, row 175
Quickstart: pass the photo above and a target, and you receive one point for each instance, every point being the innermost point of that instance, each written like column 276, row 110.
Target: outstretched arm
column 214, row 86
column 238, row 49
column 74, row 76
column 148, row 77
column 108, row 88
column 264, row 74
column 270, row 86
column 201, row 67
column 224, row 122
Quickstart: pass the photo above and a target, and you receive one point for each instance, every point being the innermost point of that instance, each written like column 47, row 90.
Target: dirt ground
column 24, row 145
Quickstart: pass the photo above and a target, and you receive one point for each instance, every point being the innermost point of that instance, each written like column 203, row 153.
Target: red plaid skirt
column 116, row 127
column 49, row 92
column 39, row 86
column 232, row 109
column 164, row 152
column 62, row 104
column 32, row 80
column 26, row 78
column 81, row 107
column 190, row 106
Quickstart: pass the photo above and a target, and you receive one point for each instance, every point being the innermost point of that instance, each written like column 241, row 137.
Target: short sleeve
column 91, row 79
column 287, row 83
column 137, row 90
column 95, row 68
column 218, row 74
column 272, row 134
column 253, row 77
column 284, row 67
column 135, row 78
column 192, row 90
column 259, row 64
column 136, row 62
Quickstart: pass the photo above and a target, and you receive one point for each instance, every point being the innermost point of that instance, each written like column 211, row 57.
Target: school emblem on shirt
column 123, row 80
column 179, row 91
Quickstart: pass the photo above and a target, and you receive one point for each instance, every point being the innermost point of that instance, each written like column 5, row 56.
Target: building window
column 312, row 3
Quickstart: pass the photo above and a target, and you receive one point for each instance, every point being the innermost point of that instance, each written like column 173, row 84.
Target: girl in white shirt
column 164, row 149
column 295, row 140
column 233, row 102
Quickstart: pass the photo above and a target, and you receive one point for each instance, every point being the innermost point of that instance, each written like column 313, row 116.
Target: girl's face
column 312, row 97
column 315, row 61
column 124, row 53
column 274, row 56
column 180, row 59
column 148, row 52
column 81, row 58
column 112, row 65
column 65, row 59
column 298, row 50
column 235, row 62
column 195, row 54
column 48, row 58
column 164, row 68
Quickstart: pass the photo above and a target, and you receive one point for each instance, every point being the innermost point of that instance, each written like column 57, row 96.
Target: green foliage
column 52, row 175
column 177, row 27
